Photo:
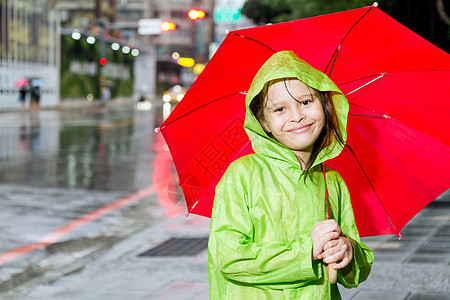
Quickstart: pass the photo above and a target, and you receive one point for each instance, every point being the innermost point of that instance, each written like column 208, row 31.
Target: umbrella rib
column 336, row 52
column 252, row 39
column 201, row 106
column 369, row 116
column 373, row 188
column 381, row 75
column 381, row 116
column 367, row 83
column 390, row 73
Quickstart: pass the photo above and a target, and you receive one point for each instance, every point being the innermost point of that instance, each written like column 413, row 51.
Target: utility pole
column 98, row 9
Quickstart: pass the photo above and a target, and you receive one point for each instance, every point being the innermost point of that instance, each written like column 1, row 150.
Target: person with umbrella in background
column 22, row 84
column 279, row 215
column 35, row 98
column 22, row 97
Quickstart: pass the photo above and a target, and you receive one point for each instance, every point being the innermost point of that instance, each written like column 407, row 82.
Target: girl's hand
column 336, row 250
column 322, row 233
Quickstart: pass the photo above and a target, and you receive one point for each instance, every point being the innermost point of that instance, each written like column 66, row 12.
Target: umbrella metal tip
column 375, row 4
column 157, row 129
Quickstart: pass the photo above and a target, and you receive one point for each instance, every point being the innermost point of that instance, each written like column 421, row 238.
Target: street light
column 135, row 52
column 90, row 40
column 125, row 49
column 76, row 35
column 175, row 55
column 115, row 46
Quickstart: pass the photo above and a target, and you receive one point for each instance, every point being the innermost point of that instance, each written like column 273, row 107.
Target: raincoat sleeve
column 241, row 260
column 358, row 270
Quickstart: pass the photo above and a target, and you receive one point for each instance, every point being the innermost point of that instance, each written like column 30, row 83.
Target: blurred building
column 97, row 55
column 28, row 50
column 154, row 68
column 190, row 39
column 35, row 43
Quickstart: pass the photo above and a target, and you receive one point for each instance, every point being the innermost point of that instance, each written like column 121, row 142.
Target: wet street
column 77, row 178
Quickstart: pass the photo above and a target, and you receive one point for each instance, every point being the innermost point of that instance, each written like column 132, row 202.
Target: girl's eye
column 306, row 102
column 279, row 109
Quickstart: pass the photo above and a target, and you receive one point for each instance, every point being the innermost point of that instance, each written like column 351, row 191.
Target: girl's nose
column 297, row 115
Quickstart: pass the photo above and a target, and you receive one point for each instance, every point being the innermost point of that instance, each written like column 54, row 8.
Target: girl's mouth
column 300, row 129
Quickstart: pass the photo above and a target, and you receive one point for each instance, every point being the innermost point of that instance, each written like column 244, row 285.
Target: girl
column 270, row 237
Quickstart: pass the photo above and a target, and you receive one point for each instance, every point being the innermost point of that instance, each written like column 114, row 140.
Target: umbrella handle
column 332, row 273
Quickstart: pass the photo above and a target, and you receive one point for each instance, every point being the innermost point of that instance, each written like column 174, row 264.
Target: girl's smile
column 301, row 129
column 294, row 116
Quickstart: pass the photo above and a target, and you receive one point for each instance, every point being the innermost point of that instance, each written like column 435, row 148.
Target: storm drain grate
column 178, row 247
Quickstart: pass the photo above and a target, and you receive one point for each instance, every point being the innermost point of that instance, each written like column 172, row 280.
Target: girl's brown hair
column 331, row 130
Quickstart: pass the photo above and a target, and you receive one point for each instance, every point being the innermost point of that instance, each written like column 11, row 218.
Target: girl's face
column 295, row 123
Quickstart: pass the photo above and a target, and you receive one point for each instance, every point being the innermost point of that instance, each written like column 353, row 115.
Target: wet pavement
column 84, row 193
column 59, row 165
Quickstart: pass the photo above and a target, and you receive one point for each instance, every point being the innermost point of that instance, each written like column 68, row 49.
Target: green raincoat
column 265, row 206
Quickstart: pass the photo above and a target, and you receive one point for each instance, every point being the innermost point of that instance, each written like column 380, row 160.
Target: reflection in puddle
column 167, row 108
column 165, row 180
column 77, row 149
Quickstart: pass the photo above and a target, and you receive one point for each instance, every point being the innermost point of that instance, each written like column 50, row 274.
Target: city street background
column 88, row 190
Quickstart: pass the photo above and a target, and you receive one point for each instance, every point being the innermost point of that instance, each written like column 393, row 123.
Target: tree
column 264, row 11
column 274, row 11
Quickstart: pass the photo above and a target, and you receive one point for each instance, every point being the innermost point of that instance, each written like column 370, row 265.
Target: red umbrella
column 22, row 82
column 397, row 158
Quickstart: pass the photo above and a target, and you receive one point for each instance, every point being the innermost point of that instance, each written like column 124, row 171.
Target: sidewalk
column 416, row 267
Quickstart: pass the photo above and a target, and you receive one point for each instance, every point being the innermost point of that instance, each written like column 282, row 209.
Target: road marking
column 59, row 233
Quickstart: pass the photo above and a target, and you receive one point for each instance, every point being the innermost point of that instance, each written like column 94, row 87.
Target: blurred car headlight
column 166, row 97
column 143, row 106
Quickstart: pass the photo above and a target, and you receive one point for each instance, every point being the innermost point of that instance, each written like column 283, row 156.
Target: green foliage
column 78, row 86
column 275, row 11
column 265, row 11
column 75, row 85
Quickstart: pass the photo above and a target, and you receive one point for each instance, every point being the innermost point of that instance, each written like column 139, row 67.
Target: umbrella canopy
column 22, row 82
column 397, row 156
column 37, row 82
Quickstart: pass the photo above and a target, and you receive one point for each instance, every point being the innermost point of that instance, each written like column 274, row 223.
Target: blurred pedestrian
column 35, row 98
column 105, row 95
column 22, row 96
column 270, row 237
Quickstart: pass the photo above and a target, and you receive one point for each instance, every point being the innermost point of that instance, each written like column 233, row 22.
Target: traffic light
column 168, row 26
column 196, row 14
column 103, row 61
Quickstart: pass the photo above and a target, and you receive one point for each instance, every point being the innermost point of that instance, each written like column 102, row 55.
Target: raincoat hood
column 286, row 64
